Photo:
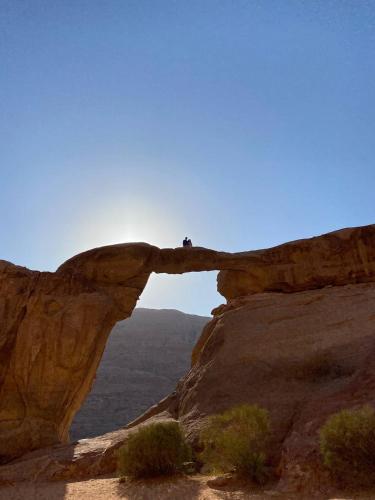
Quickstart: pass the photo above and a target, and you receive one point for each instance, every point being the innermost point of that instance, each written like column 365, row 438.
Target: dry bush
column 237, row 439
column 154, row 450
column 347, row 445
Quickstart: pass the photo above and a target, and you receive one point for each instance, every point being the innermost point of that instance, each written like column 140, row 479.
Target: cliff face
column 52, row 335
column 258, row 347
column 302, row 355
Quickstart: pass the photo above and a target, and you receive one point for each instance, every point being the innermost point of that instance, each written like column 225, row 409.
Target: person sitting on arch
column 187, row 242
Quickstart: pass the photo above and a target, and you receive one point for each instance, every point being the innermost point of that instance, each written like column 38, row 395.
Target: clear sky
column 242, row 124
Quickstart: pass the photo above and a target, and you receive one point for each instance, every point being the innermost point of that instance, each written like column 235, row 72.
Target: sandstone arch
column 54, row 326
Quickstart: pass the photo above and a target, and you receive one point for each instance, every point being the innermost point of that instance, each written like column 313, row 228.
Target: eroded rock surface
column 52, row 335
column 303, row 356
column 54, row 327
column 337, row 258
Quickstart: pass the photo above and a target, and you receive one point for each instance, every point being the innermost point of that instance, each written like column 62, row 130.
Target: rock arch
column 54, row 326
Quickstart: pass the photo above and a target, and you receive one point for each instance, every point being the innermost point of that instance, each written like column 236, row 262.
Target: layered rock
column 337, row 258
column 54, row 327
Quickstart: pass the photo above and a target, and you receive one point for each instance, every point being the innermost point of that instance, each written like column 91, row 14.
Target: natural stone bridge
column 54, row 326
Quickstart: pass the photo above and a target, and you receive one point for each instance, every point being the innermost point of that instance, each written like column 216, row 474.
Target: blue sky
column 242, row 124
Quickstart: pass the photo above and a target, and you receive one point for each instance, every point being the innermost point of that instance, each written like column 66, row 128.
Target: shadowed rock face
column 54, row 326
column 52, row 335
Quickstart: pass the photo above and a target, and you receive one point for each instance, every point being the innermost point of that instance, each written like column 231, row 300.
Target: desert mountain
column 144, row 358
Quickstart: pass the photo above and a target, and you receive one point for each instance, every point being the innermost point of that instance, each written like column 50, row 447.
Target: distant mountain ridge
column 144, row 358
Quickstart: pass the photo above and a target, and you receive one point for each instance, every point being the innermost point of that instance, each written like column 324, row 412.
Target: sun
column 129, row 221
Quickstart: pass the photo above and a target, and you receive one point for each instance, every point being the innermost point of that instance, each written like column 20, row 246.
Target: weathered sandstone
column 55, row 325
column 303, row 356
column 337, row 258
column 261, row 349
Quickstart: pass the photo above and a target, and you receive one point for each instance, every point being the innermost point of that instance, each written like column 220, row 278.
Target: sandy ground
column 177, row 488
column 185, row 488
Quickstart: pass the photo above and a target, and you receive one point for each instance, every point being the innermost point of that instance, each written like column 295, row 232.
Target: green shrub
column 237, row 439
column 154, row 450
column 347, row 445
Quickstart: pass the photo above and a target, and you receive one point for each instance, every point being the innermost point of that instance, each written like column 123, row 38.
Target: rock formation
column 263, row 346
column 54, row 328
column 302, row 356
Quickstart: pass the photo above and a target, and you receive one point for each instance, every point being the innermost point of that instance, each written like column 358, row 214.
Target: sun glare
column 127, row 221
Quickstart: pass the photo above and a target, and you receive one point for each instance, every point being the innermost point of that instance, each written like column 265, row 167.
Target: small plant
column 237, row 439
column 154, row 450
column 320, row 366
column 347, row 445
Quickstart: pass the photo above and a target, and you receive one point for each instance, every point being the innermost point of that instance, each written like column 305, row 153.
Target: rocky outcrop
column 86, row 459
column 337, row 258
column 52, row 335
column 54, row 327
column 303, row 356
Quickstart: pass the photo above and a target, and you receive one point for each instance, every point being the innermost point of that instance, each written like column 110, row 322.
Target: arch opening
column 149, row 352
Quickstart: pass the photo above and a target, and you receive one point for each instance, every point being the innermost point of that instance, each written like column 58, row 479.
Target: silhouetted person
column 185, row 242
column 189, row 243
